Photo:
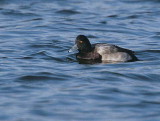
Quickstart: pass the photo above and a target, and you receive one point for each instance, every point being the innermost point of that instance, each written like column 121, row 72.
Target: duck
column 101, row 51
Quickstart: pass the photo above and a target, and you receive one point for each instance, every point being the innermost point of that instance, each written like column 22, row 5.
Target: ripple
column 151, row 51
column 44, row 55
column 158, row 33
column 156, row 36
column 143, row 77
column 68, row 12
column 42, row 76
column 26, row 57
column 49, row 45
column 17, row 13
column 34, row 19
column 35, row 78
column 92, row 36
column 103, row 22
column 112, row 16
column 133, row 16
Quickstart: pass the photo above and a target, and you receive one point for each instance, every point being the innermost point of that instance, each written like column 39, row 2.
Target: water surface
column 41, row 81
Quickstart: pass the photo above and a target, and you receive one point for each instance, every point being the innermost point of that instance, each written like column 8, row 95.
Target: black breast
column 89, row 56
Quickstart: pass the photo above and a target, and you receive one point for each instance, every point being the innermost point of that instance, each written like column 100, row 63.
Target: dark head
column 83, row 44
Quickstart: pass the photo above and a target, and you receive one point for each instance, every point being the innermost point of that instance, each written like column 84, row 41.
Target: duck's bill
column 73, row 49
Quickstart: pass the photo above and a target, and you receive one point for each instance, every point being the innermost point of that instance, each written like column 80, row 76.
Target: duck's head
column 82, row 44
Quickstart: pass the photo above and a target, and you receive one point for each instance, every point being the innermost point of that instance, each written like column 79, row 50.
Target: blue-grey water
column 41, row 81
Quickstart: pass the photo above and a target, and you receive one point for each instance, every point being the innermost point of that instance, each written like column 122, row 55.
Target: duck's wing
column 109, row 48
column 120, row 49
column 113, row 52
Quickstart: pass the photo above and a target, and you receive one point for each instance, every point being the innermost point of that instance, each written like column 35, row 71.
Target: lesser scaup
column 101, row 51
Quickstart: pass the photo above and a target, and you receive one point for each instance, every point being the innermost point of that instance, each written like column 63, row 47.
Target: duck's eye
column 81, row 42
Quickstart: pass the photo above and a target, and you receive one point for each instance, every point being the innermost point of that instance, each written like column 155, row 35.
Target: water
column 41, row 81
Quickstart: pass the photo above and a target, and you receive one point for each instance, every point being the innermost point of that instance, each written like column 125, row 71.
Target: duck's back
column 111, row 52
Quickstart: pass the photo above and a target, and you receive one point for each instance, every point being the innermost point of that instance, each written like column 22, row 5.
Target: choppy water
column 41, row 81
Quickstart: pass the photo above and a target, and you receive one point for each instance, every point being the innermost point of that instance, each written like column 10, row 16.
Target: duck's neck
column 86, row 49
